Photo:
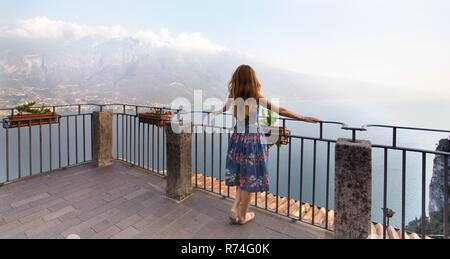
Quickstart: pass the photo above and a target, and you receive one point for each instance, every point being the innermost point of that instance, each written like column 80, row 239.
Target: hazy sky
column 392, row 42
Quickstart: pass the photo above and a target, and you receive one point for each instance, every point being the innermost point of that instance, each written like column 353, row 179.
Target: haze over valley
column 55, row 62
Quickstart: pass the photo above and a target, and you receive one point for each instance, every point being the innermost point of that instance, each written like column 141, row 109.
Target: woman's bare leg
column 245, row 206
column 237, row 201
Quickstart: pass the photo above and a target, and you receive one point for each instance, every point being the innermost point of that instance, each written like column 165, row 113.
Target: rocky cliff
column 437, row 183
column 435, row 222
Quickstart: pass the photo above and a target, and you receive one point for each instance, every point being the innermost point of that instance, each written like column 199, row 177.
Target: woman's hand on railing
column 216, row 112
column 311, row 120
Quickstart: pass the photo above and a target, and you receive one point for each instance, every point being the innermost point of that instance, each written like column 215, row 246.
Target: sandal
column 252, row 218
column 234, row 218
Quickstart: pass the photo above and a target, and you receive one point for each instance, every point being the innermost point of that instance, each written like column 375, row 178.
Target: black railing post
column 123, row 137
column 7, row 154
column 289, row 177
column 314, row 176
column 354, row 131
column 394, row 137
column 84, row 138
column 76, row 139
column 220, row 160
column 212, row 158
column 300, row 199
column 68, row 140
column 40, row 146
column 148, row 147
column 327, row 202
column 321, row 130
column 30, row 150
column 19, row 151
column 59, row 143
column 446, row 201
column 196, row 155
column 424, row 187
column 50, row 148
column 403, row 234
column 385, row 193
column 158, row 149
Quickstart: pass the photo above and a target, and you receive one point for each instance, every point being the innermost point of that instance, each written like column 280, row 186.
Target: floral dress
column 246, row 165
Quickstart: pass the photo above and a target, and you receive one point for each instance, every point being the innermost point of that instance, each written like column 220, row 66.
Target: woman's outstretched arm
column 285, row 112
column 226, row 107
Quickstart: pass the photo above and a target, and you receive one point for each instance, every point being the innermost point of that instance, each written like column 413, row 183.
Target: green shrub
column 28, row 108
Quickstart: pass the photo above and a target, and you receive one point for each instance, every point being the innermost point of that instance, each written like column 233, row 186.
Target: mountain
column 435, row 221
column 437, row 190
column 128, row 69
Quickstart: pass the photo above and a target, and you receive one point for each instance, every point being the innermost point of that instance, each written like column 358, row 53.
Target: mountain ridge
column 130, row 69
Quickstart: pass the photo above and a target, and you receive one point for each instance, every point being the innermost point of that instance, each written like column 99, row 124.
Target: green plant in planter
column 269, row 119
column 28, row 108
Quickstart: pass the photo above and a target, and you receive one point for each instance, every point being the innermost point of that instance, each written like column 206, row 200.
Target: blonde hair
column 244, row 83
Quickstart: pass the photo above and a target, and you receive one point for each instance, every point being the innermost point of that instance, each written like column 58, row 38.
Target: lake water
column 424, row 113
column 413, row 113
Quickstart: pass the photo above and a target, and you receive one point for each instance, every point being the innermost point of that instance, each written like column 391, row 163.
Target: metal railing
column 137, row 143
column 39, row 146
column 301, row 172
column 209, row 164
column 300, row 175
column 67, row 141
column 424, row 155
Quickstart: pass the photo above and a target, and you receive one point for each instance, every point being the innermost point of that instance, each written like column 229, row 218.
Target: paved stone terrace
column 124, row 202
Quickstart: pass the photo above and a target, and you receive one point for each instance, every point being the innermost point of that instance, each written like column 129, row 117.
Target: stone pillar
column 353, row 189
column 102, row 138
column 179, row 164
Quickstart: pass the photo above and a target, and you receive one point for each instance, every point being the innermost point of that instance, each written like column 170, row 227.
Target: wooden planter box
column 27, row 120
column 154, row 118
column 283, row 134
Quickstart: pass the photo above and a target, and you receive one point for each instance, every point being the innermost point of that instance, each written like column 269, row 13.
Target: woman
column 246, row 165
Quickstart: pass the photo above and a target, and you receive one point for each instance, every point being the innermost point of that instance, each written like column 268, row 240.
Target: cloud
column 42, row 27
column 183, row 41
column 45, row 28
